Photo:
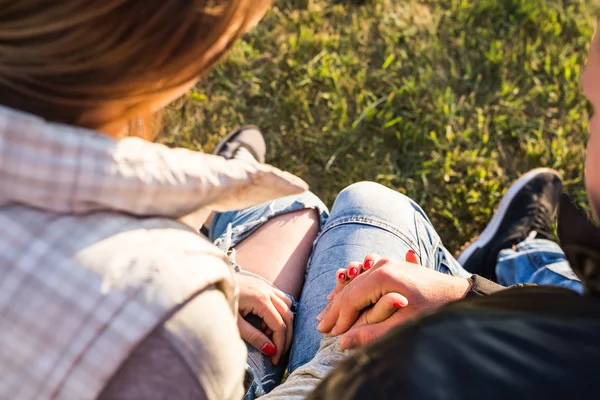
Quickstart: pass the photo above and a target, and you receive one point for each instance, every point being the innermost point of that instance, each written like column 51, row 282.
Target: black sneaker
column 245, row 143
column 528, row 208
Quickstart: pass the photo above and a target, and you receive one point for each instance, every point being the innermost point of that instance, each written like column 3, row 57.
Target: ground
column 447, row 101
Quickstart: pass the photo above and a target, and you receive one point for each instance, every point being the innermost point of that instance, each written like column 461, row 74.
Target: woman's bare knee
column 279, row 250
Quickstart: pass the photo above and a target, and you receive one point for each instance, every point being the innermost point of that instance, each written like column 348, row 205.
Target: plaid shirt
column 91, row 256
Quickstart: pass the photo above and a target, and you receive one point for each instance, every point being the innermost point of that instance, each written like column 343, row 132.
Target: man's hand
column 414, row 289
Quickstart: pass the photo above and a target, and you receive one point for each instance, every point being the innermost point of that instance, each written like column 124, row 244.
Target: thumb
column 256, row 338
column 361, row 335
column 385, row 307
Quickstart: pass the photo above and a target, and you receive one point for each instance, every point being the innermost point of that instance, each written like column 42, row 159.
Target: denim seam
column 436, row 244
column 372, row 222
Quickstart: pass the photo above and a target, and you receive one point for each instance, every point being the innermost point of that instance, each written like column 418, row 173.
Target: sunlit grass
column 446, row 101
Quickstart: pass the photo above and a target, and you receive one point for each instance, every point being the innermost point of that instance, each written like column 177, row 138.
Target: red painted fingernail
column 268, row 350
column 411, row 257
column 398, row 305
column 352, row 272
column 368, row 264
column 342, row 276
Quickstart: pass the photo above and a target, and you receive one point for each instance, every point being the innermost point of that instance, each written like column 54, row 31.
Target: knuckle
column 381, row 274
column 288, row 316
column 385, row 272
column 254, row 337
column 254, row 293
column 263, row 297
column 362, row 320
column 288, row 302
column 344, row 295
column 367, row 320
column 282, row 326
column 278, row 325
column 367, row 335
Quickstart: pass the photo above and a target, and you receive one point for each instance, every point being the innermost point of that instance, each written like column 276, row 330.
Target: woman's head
column 99, row 64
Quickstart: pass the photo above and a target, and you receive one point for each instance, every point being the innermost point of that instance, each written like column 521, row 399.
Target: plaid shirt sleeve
column 70, row 170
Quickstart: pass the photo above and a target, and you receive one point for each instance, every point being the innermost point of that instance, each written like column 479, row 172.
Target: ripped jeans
column 369, row 218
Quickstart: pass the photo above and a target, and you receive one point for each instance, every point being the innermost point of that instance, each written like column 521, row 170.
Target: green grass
column 447, row 101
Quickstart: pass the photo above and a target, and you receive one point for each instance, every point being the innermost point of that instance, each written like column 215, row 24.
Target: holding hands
column 369, row 299
column 372, row 297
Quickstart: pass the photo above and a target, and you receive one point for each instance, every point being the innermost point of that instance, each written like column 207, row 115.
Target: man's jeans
column 368, row 218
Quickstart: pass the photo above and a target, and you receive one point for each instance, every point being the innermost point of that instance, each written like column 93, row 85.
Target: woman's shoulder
column 101, row 278
column 102, row 241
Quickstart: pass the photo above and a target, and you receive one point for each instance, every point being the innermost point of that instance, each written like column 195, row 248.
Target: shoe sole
column 219, row 147
column 492, row 228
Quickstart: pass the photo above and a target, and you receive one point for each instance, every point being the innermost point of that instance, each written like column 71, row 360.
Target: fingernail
column 348, row 343
column 333, row 331
column 368, row 264
column 341, row 276
column 268, row 350
column 411, row 257
column 353, row 272
column 398, row 305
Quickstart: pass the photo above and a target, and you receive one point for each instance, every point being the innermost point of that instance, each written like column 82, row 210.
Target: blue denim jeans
column 230, row 228
column 370, row 218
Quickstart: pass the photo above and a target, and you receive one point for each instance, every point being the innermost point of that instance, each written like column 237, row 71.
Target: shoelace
column 541, row 219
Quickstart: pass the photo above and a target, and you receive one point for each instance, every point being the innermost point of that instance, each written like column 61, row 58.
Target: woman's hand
column 273, row 307
column 410, row 288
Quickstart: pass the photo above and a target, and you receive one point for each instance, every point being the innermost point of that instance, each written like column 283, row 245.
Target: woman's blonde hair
column 65, row 59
